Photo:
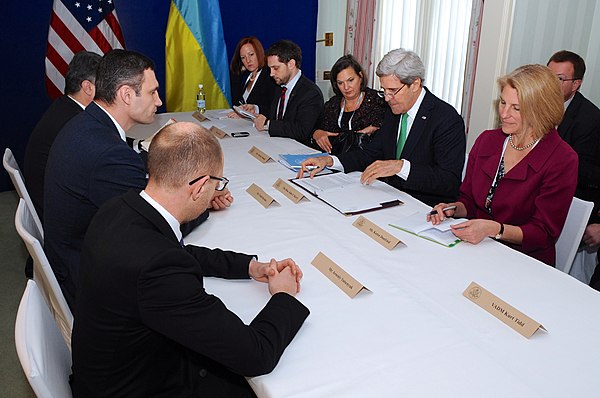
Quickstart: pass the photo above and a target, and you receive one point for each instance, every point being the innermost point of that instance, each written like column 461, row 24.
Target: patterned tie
column 402, row 136
column 181, row 242
column 281, row 103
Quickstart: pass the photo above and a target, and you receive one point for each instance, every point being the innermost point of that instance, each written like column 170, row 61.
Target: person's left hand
column 368, row 130
column 259, row 122
column 221, row 200
column 261, row 271
column 591, row 236
column 381, row 168
column 474, row 231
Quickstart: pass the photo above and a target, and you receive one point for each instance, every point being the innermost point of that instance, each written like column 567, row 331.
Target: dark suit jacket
column 435, row 148
column 58, row 114
column 304, row 106
column 580, row 128
column 144, row 324
column 535, row 194
column 262, row 94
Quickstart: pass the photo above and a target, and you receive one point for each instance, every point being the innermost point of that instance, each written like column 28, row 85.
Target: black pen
column 433, row 212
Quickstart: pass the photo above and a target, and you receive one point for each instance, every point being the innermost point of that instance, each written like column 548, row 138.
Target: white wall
column 542, row 28
column 331, row 18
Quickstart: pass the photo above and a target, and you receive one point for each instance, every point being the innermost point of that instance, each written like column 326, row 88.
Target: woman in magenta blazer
column 521, row 178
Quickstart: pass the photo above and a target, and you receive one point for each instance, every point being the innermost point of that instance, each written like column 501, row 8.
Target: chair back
column 572, row 232
column 44, row 356
column 12, row 168
column 43, row 273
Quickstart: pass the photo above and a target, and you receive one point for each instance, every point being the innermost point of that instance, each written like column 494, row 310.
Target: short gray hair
column 406, row 65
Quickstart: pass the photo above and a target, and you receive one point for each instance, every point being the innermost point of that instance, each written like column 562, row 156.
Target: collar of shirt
column 247, row 92
column 290, row 86
column 77, row 102
column 412, row 112
column 568, row 102
column 117, row 125
column 172, row 221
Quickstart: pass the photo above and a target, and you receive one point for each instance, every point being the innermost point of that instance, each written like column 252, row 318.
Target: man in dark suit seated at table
column 295, row 111
column 90, row 161
column 580, row 126
column 144, row 324
column 79, row 92
column 420, row 147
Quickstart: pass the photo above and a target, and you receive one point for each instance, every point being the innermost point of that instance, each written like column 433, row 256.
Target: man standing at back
column 580, row 126
column 144, row 325
column 420, row 147
column 295, row 111
column 79, row 92
column 90, row 162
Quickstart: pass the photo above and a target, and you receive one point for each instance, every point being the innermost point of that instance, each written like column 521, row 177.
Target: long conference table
column 413, row 333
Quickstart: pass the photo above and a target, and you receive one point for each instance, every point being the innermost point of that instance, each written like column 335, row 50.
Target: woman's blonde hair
column 540, row 97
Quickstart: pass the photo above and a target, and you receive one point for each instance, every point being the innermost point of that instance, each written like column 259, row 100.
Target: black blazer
column 580, row 128
column 88, row 164
column 145, row 326
column 304, row 107
column 435, row 148
column 262, row 94
column 58, row 114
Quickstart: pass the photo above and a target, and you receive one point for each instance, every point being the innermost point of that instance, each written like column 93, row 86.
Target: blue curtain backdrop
column 24, row 33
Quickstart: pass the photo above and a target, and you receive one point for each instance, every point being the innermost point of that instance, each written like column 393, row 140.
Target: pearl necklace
column 521, row 148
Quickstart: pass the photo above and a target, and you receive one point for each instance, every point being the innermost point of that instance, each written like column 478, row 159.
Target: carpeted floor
column 12, row 284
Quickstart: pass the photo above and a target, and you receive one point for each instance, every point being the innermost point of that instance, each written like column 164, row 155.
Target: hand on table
column 441, row 215
column 259, row 122
column 381, row 168
column 314, row 165
column 283, row 275
column 474, row 231
column 221, row 200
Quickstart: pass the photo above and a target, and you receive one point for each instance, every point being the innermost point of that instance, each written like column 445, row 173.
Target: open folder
column 346, row 194
column 417, row 224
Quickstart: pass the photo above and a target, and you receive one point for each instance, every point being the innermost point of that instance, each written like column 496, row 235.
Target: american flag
column 77, row 25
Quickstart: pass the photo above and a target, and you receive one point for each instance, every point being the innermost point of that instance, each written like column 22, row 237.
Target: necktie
column 181, row 242
column 402, row 136
column 281, row 103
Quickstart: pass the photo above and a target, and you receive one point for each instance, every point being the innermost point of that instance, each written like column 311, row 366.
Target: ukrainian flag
column 195, row 54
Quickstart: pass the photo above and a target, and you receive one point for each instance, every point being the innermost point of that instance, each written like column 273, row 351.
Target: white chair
column 43, row 354
column 12, row 167
column 43, row 274
column 570, row 237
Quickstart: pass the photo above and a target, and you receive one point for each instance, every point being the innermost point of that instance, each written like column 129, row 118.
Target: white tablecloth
column 413, row 333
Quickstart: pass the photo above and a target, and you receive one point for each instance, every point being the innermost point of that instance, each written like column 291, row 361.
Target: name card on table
column 337, row 275
column 291, row 193
column 199, row 116
column 217, row 132
column 261, row 196
column 502, row 310
column 377, row 233
column 260, row 155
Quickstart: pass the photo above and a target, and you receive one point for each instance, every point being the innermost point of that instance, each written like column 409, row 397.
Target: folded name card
column 337, row 275
column 218, row 132
column 261, row 196
column 291, row 193
column 260, row 155
column 377, row 233
column 502, row 310
column 199, row 116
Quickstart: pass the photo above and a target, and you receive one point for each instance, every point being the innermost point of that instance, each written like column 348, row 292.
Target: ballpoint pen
column 433, row 212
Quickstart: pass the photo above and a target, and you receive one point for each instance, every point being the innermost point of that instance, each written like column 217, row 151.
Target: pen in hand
column 434, row 212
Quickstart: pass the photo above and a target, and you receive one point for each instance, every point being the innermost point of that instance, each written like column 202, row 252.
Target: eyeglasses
column 382, row 93
column 564, row 79
column 222, row 181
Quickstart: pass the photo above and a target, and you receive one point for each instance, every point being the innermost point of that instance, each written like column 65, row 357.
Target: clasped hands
column 221, row 200
column 282, row 276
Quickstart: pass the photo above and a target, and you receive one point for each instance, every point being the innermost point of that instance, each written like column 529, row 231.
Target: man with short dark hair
column 295, row 111
column 79, row 92
column 580, row 126
column 145, row 326
column 90, row 161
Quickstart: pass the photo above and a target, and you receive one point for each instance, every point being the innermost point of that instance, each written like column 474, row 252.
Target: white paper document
column 347, row 194
column 417, row 224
